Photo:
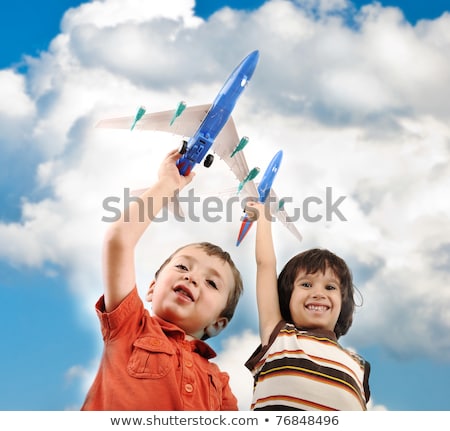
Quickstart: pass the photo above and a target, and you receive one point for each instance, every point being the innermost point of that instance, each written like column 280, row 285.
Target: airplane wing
column 280, row 214
column 185, row 125
column 224, row 144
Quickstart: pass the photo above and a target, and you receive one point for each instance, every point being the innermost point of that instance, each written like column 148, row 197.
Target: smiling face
column 192, row 290
column 316, row 300
column 317, row 262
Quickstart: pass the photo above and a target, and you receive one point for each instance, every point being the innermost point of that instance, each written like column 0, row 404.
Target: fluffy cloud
column 236, row 350
column 15, row 102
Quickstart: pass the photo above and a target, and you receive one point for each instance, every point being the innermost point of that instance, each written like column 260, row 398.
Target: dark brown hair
column 312, row 261
column 215, row 250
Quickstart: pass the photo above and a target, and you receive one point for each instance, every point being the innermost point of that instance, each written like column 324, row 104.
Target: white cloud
column 17, row 109
column 236, row 350
column 14, row 101
column 364, row 111
column 111, row 13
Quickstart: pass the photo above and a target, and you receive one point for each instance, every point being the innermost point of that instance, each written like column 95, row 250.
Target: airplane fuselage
column 219, row 113
column 269, row 175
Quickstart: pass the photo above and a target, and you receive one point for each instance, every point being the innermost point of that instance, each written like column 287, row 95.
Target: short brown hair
column 215, row 250
column 312, row 261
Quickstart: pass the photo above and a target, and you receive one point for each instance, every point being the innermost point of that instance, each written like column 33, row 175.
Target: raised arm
column 266, row 273
column 122, row 236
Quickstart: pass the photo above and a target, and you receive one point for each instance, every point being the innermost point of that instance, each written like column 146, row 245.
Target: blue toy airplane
column 216, row 127
column 264, row 191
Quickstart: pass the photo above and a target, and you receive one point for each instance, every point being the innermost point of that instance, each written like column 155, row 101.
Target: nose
column 318, row 293
column 190, row 279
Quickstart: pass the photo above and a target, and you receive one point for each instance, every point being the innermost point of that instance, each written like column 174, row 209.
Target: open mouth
column 184, row 292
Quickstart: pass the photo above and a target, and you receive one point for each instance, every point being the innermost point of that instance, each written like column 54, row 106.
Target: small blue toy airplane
column 216, row 127
column 264, row 191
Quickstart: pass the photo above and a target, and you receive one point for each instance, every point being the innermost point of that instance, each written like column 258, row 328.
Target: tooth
column 317, row 307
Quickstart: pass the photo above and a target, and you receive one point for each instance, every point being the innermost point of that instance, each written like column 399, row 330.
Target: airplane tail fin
column 277, row 210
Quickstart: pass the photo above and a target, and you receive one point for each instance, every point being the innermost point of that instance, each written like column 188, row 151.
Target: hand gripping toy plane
column 265, row 191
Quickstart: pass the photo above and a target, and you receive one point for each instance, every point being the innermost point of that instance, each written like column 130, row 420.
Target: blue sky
column 50, row 265
column 25, row 34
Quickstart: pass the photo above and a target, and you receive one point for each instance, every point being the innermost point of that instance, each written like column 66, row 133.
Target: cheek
column 338, row 305
column 216, row 302
column 295, row 304
column 297, row 296
column 339, row 299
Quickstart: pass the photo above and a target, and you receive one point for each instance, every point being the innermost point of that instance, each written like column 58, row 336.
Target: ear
column 151, row 289
column 216, row 327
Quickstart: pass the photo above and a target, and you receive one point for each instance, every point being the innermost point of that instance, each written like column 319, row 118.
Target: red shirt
column 148, row 365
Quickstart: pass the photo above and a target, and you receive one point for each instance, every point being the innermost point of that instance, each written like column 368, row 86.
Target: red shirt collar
column 173, row 331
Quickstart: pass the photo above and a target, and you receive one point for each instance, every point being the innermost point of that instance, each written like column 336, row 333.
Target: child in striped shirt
column 300, row 365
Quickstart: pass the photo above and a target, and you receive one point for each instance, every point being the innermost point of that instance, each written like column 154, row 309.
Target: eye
column 306, row 284
column 182, row 267
column 212, row 284
column 331, row 287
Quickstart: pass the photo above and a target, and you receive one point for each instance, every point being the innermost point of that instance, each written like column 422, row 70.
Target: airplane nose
column 254, row 56
column 252, row 61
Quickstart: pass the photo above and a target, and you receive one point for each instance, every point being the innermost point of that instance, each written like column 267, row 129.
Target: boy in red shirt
column 159, row 361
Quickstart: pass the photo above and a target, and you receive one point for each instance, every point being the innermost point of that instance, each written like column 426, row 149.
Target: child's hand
column 254, row 210
column 169, row 174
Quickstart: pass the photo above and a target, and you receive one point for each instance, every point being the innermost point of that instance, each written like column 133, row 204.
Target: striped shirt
column 307, row 370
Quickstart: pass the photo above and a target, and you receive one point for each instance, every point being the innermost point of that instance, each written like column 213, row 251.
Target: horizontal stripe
column 309, row 369
column 305, row 371
column 306, row 392
column 301, row 355
column 289, row 403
